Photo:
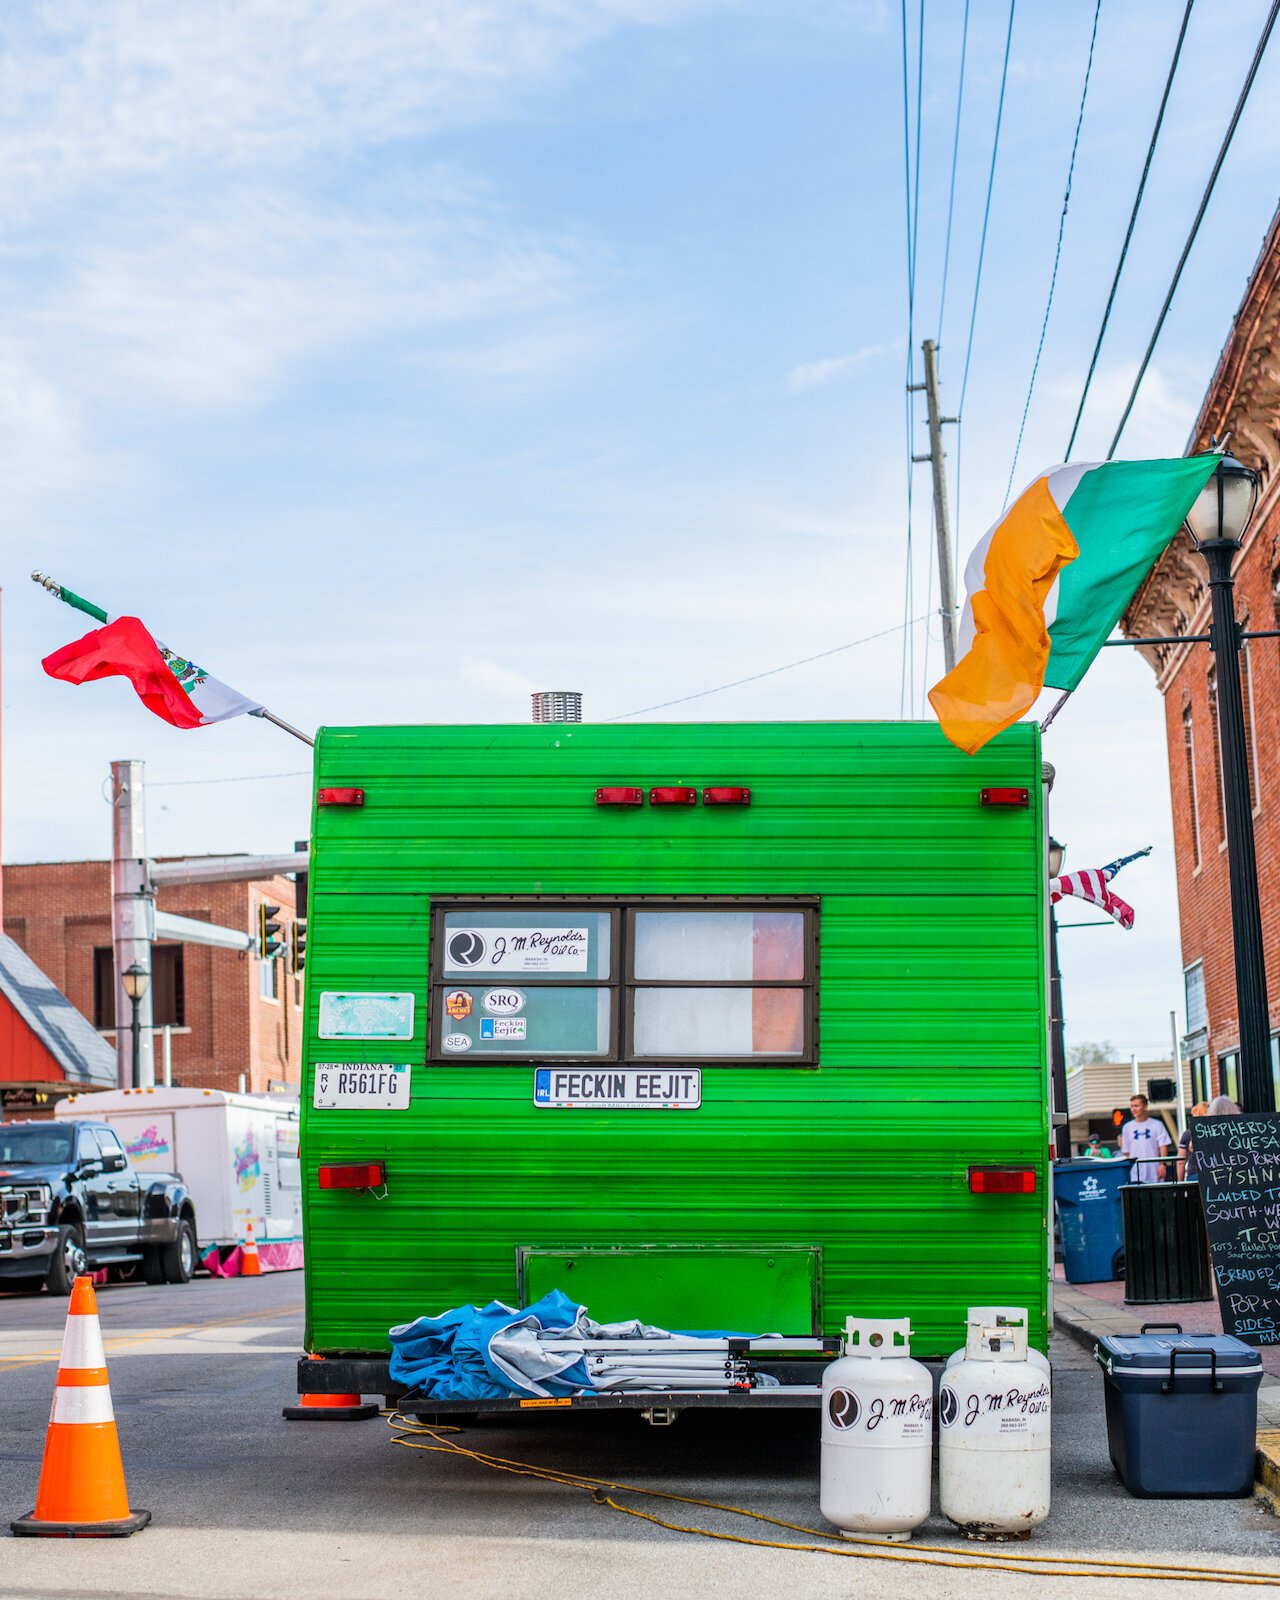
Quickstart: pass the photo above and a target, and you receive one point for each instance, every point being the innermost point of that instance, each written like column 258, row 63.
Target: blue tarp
column 449, row 1357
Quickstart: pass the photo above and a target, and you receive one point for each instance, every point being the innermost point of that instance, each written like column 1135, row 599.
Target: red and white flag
column 173, row 687
column 1091, row 885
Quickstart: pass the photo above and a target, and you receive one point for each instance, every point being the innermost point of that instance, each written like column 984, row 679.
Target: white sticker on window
column 455, row 1042
column 531, row 949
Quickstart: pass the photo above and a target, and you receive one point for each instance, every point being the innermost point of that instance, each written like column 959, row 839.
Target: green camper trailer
column 733, row 1026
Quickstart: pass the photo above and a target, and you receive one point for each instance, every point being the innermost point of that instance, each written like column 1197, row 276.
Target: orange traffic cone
column 82, row 1493
column 250, row 1266
column 312, row 1407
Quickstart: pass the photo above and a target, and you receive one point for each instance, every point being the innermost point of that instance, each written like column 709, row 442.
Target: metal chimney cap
column 557, row 705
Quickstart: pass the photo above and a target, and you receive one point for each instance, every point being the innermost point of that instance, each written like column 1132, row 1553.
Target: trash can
column 1182, row 1411
column 1087, row 1193
column 1166, row 1249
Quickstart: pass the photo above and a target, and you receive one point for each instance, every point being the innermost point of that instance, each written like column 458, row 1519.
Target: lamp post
column 1217, row 522
column 1057, row 1043
column 136, row 979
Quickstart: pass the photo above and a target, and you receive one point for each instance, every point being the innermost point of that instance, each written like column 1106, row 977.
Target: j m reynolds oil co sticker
column 358, row 1086
column 531, row 949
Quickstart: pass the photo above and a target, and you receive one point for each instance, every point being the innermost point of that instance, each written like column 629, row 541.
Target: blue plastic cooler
column 1182, row 1411
column 1090, row 1221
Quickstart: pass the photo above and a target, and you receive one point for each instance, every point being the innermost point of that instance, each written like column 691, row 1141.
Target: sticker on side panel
column 455, row 1042
column 346, row 1015
column 459, row 1004
column 503, row 1027
column 614, row 1089
column 504, row 1002
column 359, row 1086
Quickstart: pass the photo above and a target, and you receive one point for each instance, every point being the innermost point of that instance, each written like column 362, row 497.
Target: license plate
column 618, row 1089
column 355, row 1086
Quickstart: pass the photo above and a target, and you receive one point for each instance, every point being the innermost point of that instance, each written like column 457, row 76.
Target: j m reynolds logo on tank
column 1011, row 1410
column 890, row 1417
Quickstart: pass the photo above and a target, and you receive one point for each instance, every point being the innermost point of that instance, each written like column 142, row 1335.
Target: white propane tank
column 999, row 1317
column 877, row 1433
column 993, row 1437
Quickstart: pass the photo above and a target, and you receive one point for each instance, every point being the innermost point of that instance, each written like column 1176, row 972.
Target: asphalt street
column 249, row 1507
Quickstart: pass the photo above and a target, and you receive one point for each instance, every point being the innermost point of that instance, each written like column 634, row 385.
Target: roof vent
column 557, row 705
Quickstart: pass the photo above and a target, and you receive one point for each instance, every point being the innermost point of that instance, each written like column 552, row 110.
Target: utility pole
column 132, row 918
column 941, row 511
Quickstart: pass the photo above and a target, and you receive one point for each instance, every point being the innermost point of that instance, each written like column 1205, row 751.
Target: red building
column 1242, row 409
column 229, row 1014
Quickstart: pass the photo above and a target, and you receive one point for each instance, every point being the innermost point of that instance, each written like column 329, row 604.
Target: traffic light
column 268, row 932
column 1120, row 1116
column 297, row 947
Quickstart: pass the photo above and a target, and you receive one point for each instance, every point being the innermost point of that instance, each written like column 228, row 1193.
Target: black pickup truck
column 71, row 1202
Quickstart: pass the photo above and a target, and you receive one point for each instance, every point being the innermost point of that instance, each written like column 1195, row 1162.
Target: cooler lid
column 1154, row 1349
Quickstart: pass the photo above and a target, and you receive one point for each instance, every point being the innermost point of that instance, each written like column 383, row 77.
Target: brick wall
column 59, row 912
column 1203, row 891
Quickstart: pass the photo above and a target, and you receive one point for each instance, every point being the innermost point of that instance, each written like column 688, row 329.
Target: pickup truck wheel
column 179, row 1256
column 69, row 1259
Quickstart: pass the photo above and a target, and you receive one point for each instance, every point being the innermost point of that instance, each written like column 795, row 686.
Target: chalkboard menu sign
column 1238, row 1168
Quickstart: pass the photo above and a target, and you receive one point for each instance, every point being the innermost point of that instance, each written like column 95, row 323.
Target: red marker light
column 726, row 797
column 353, row 1175
column 340, row 797
column 1002, row 1180
column 1006, row 797
column 673, row 797
column 619, row 797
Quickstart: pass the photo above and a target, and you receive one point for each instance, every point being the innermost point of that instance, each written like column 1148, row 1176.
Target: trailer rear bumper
column 799, row 1386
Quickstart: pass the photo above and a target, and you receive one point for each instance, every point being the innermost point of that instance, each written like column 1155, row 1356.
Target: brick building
column 1242, row 408
column 229, row 1013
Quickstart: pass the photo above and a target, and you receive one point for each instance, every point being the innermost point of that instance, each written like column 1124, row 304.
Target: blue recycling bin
column 1090, row 1219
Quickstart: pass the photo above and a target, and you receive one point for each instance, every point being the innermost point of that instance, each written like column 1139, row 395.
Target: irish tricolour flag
column 1050, row 580
column 168, row 684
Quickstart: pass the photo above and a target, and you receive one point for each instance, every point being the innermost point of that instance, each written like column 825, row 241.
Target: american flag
column 1091, row 885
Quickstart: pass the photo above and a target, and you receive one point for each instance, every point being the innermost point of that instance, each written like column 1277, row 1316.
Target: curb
column 1085, row 1330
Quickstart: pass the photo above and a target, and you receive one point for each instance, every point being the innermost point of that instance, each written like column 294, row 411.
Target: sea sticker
column 503, row 1027
column 455, row 1042
column 365, row 1015
column 458, row 1003
column 529, row 949
column 504, row 1002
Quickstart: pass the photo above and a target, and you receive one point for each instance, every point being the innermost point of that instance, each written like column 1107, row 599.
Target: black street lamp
column 1217, row 523
column 135, row 980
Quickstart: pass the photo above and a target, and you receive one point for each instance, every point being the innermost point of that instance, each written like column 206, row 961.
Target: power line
column 955, row 153
column 1057, row 254
column 248, row 777
column 1133, row 217
column 912, row 205
column 770, row 672
column 1199, row 217
column 982, row 251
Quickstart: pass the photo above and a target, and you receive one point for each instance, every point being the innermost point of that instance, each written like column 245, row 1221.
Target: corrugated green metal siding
column 931, row 1016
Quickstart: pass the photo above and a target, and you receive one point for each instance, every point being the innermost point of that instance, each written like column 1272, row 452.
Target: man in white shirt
column 1144, row 1141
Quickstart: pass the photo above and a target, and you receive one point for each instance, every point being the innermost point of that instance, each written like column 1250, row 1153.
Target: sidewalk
column 1084, row 1312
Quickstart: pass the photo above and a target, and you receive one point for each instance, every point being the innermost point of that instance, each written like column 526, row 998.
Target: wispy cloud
column 812, row 374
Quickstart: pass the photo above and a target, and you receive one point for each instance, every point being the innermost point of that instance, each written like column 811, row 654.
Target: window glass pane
column 1197, row 1011
column 478, row 1020
column 526, row 942
column 729, row 946
column 703, row 1023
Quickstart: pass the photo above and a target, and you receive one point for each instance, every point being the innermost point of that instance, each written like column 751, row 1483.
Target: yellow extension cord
column 929, row 1555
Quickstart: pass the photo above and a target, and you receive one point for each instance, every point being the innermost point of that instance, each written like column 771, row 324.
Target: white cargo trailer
column 237, row 1152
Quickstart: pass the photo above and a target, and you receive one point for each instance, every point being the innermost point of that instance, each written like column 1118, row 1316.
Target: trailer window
column 617, row 980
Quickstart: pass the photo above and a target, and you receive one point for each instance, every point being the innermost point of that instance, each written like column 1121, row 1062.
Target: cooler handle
column 1156, row 1327
column 1215, row 1382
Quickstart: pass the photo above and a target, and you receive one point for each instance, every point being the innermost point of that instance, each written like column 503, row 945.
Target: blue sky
column 393, row 360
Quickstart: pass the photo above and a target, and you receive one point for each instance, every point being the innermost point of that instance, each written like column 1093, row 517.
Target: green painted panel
column 932, row 1042
column 710, row 1288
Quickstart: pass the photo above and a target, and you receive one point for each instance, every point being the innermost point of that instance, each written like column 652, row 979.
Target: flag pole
column 1057, row 706
column 79, row 603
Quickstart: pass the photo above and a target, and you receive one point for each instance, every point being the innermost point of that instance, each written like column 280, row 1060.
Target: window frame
column 622, row 982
